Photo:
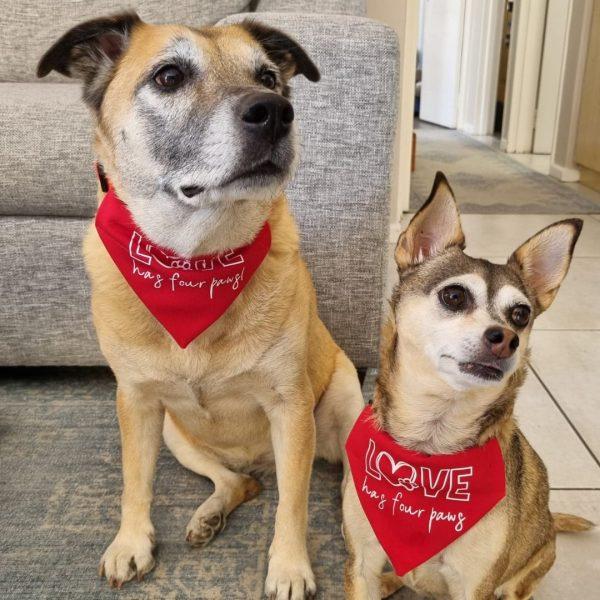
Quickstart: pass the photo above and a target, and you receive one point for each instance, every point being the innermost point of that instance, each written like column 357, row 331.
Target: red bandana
column 186, row 295
column 418, row 504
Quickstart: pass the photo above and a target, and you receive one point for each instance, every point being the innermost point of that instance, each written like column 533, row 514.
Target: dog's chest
column 211, row 394
column 222, row 413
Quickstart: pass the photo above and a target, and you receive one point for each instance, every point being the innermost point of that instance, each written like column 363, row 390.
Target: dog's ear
column 284, row 51
column 544, row 259
column 89, row 52
column 433, row 229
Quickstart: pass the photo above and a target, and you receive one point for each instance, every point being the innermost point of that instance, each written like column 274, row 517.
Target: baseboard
column 566, row 174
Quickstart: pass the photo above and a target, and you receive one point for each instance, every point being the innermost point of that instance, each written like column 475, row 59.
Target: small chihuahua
column 453, row 358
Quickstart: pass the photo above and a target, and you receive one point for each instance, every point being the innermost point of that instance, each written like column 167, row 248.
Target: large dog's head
column 194, row 126
column 462, row 324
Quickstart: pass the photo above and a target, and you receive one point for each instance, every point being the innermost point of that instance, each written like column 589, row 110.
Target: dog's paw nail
column 289, row 579
column 127, row 557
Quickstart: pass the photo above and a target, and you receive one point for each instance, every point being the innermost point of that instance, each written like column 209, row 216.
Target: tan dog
column 194, row 131
column 454, row 358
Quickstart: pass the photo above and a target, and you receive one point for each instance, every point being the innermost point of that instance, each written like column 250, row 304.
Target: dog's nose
column 501, row 341
column 266, row 115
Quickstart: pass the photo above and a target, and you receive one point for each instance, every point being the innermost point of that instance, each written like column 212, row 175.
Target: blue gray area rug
column 60, row 482
column 486, row 180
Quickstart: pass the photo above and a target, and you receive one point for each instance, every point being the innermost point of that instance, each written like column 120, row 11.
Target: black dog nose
column 501, row 341
column 267, row 115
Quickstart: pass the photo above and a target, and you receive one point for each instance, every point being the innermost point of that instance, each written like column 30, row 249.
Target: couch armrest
column 340, row 195
column 337, row 7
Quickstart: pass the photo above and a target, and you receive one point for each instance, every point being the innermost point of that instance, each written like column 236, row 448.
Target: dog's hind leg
column 522, row 585
column 337, row 412
column 231, row 489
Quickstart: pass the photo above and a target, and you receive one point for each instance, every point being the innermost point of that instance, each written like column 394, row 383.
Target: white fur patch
column 509, row 296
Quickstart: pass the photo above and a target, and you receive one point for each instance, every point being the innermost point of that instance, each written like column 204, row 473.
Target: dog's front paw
column 129, row 556
column 289, row 576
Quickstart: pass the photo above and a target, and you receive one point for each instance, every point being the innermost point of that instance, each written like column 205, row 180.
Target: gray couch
column 47, row 187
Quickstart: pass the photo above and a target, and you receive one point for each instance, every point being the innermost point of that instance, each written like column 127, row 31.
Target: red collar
column 419, row 504
column 186, row 295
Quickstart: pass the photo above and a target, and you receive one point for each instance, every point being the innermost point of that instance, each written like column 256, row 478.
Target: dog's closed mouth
column 481, row 370
column 265, row 169
column 258, row 172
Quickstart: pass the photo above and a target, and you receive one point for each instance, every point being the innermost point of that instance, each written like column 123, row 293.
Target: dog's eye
column 520, row 314
column 268, row 79
column 169, row 77
column 455, row 298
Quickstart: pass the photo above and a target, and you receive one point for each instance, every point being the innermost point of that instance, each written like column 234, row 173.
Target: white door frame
column 562, row 161
column 557, row 20
column 524, row 64
column 482, row 40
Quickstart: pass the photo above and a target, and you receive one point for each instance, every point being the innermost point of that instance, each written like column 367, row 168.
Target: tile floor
column 559, row 407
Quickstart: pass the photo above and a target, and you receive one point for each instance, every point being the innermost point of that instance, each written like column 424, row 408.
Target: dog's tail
column 565, row 522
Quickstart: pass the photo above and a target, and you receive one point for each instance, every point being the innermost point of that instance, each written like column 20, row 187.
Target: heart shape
column 389, row 469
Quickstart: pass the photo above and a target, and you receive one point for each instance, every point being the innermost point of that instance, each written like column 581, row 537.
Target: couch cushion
column 340, row 195
column 47, row 164
column 45, row 317
column 336, row 7
column 29, row 27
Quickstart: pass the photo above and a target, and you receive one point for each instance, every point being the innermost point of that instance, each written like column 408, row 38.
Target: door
column 442, row 49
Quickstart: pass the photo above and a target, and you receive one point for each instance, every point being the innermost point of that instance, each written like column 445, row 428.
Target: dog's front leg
column 366, row 558
column 140, row 421
column 293, row 436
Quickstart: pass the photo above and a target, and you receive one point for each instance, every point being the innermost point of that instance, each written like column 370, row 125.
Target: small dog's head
column 464, row 319
column 187, row 118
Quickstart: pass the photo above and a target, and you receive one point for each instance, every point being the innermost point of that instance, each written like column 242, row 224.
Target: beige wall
column 587, row 148
column 388, row 11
